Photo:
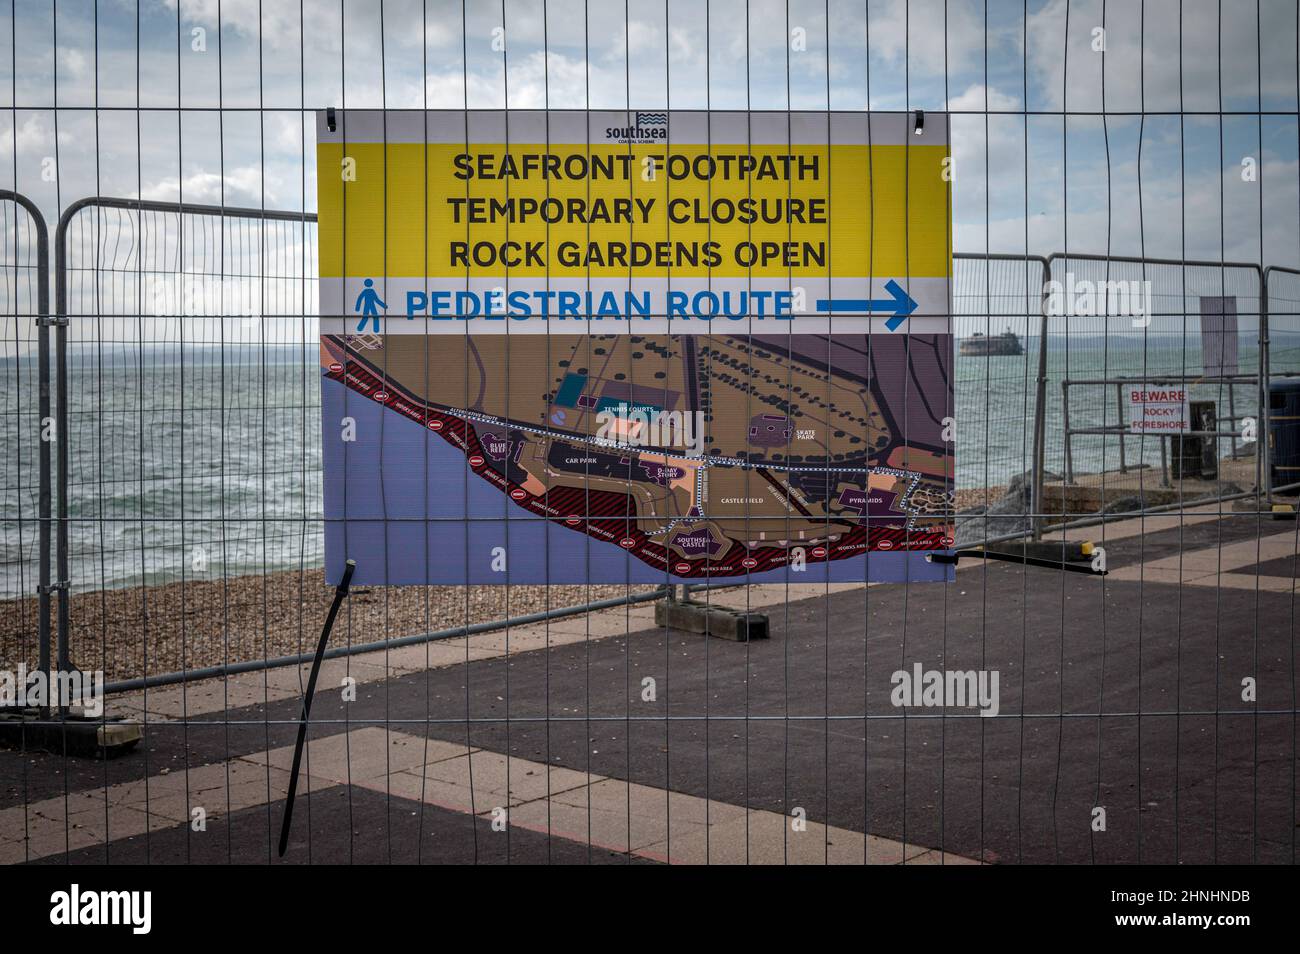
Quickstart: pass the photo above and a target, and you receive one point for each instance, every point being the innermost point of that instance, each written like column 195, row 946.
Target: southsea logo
column 645, row 128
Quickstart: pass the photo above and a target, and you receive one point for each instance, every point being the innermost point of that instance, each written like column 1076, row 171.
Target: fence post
column 1263, row 435
column 1119, row 417
column 1232, row 416
column 64, row 658
column 43, row 588
column 1040, row 409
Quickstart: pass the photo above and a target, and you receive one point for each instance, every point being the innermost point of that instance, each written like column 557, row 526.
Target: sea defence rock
column 1010, row 513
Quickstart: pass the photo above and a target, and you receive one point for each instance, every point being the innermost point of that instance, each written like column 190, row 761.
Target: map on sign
column 632, row 347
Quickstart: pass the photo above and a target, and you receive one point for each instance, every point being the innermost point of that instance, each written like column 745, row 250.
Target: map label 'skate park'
column 632, row 347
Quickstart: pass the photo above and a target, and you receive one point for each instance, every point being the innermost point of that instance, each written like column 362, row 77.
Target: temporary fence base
column 75, row 736
column 1065, row 551
column 709, row 619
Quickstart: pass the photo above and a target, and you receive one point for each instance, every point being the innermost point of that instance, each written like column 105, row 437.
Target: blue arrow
column 900, row 303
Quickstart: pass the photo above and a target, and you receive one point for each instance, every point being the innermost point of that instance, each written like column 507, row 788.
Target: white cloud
column 979, row 98
column 913, row 33
column 35, row 137
column 242, row 187
column 1145, row 61
column 746, row 42
column 276, row 23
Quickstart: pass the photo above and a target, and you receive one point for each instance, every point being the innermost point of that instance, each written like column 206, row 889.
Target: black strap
column 340, row 591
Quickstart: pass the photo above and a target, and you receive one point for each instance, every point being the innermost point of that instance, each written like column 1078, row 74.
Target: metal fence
column 1000, row 398
column 1109, row 674
column 26, row 509
column 198, row 425
column 183, row 541
column 190, row 405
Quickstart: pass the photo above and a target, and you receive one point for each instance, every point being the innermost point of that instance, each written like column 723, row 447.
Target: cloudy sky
column 1057, row 144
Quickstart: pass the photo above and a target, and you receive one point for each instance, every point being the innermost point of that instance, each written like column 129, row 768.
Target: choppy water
column 230, row 441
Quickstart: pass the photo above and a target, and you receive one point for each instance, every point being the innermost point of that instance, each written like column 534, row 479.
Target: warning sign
column 1158, row 409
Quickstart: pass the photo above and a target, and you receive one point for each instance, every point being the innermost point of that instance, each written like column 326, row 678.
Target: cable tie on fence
column 51, row 321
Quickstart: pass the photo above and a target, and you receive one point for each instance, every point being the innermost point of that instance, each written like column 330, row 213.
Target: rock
column 1007, row 514
column 1021, row 483
column 1010, row 514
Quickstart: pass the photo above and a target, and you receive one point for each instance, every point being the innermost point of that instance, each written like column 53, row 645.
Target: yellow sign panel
column 843, row 210
column 564, row 215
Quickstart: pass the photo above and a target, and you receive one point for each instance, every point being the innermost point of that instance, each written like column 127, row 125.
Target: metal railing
column 1172, row 292
column 1122, row 429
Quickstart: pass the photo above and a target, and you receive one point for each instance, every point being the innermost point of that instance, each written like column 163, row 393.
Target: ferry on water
column 981, row 345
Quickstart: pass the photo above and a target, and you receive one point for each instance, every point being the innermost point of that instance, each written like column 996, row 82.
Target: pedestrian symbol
column 369, row 303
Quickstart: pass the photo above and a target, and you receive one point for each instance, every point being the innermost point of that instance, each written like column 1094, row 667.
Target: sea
column 211, row 466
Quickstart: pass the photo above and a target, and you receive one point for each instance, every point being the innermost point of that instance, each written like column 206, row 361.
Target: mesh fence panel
column 21, row 434
column 194, row 407
column 1121, row 690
